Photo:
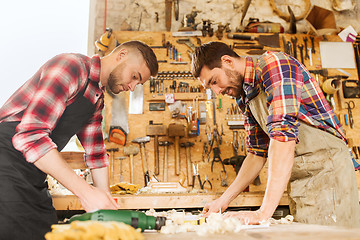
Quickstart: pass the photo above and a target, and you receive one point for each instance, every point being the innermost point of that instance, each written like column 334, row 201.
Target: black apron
column 26, row 210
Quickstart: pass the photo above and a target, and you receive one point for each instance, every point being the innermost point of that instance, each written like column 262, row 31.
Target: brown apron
column 322, row 187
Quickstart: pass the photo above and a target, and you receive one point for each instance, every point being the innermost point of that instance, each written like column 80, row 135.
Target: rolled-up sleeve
column 283, row 84
column 45, row 107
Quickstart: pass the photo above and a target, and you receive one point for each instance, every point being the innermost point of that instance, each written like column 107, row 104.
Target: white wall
column 33, row 32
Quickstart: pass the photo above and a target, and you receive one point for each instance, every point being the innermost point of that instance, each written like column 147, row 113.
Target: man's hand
column 248, row 217
column 247, row 173
column 91, row 198
column 96, row 199
column 218, row 205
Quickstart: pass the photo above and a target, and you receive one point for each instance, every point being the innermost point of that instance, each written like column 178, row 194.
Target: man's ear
column 122, row 53
column 227, row 61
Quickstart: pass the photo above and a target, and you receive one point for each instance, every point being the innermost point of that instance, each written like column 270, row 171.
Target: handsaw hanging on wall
column 168, row 8
column 176, row 9
column 119, row 126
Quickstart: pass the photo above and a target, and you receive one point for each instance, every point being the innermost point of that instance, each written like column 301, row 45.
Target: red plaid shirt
column 41, row 101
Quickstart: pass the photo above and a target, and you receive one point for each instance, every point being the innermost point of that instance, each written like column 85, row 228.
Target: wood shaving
column 215, row 224
column 56, row 188
column 178, row 217
column 286, row 220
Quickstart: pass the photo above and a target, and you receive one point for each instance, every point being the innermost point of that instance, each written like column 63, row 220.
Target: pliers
column 217, row 158
column 235, row 143
column 242, row 136
column 223, row 179
column 206, row 153
column 196, row 173
column 206, row 181
column 208, row 134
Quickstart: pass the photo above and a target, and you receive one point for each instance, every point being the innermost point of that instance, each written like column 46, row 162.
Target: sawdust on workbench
column 216, row 223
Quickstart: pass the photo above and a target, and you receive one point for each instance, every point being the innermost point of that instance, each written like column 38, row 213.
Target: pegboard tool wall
column 138, row 122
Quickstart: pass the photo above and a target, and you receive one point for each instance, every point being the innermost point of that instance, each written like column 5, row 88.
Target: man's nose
column 132, row 85
column 216, row 89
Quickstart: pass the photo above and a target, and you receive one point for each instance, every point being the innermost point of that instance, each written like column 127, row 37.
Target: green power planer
column 134, row 218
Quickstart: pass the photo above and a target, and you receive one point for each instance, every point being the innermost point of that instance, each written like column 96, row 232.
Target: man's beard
column 236, row 82
column 114, row 79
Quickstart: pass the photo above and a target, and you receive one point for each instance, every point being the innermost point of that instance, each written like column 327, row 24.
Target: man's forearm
column 100, row 178
column 53, row 164
column 281, row 160
column 249, row 170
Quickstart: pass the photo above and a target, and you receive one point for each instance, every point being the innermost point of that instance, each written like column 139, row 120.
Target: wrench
column 306, row 47
column 301, row 48
column 289, row 48
column 312, row 45
column 294, row 42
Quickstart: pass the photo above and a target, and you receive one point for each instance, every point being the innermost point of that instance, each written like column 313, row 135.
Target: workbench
column 138, row 122
column 166, row 201
column 294, row 231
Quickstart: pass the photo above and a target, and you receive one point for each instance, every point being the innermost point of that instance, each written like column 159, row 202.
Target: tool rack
column 223, row 104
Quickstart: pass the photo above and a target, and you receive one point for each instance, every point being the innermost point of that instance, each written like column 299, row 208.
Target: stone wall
column 142, row 15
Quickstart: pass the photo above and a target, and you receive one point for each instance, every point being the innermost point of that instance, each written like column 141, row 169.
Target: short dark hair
column 147, row 53
column 209, row 54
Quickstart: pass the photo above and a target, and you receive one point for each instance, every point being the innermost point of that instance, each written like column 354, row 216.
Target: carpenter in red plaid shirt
column 65, row 97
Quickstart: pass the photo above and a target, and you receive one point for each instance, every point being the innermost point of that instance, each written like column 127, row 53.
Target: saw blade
column 119, row 117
